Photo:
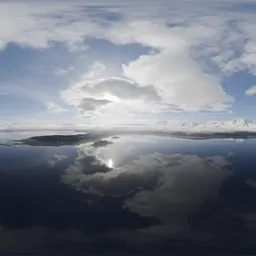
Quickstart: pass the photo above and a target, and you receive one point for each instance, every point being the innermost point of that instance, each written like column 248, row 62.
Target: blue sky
column 90, row 63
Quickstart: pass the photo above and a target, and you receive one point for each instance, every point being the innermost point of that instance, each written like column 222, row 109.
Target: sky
column 107, row 63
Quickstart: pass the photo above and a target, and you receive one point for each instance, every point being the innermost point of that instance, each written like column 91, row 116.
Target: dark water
column 138, row 195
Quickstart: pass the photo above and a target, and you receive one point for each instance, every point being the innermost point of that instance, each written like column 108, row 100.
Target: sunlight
column 110, row 163
column 111, row 97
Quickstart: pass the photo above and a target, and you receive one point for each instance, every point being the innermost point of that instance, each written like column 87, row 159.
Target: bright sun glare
column 110, row 163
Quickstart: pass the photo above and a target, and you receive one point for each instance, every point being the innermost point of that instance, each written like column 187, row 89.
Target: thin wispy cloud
column 251, row 91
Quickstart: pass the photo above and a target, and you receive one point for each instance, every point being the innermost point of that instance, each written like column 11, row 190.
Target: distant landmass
column 236, row 125
column 215, row 135
column 98, row 138
column 61, row 140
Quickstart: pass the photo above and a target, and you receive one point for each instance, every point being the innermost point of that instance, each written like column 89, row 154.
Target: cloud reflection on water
column 148, row 198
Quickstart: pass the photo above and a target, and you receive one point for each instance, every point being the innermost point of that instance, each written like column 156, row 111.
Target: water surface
column 134, row 194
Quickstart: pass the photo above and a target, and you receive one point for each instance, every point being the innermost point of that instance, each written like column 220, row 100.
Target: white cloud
column 55, row 108
column 251, row 91
column 183, row 39
column 173, row 75
column 170, row 68
column 237, row 48
column 95, row 71
column 39, row 25
column 248, row 57
column 60, row 72
column 122, row 88
column 96, row 92
column 116, row 90
column 63, row 71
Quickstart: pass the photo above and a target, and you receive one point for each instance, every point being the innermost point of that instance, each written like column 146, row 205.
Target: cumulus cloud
column 170, row 68
column 251, row 91
column 92, row 93
column 184, row 42
column 173, row 74
column 167, row 72
column 123, row 89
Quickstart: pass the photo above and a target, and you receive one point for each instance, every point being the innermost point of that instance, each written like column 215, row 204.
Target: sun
column 110, row 163
column 111, row 97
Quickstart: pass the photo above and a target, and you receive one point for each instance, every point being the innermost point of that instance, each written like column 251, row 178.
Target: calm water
column 140, row 194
